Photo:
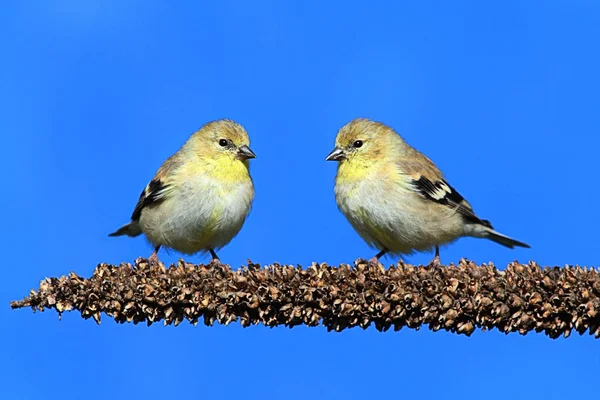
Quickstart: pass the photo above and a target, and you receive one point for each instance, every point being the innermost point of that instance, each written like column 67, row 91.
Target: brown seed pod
column 522, row 298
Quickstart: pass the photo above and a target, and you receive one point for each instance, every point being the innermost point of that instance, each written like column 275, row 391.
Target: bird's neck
column 350, row 171
column 227, row 170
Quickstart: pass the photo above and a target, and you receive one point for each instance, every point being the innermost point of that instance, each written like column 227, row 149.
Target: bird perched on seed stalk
column 396, row 198
column 200, row 197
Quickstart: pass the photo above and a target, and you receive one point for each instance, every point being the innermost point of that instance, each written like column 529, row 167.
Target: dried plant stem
column 522, row 298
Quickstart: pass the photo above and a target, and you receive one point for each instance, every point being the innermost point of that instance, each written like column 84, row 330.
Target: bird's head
column 362, row 141
column 223, row 140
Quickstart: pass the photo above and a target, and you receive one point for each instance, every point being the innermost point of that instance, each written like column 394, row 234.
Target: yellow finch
column 200, row 197
column 396, row 198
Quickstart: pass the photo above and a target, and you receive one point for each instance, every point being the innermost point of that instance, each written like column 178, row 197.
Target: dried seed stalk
column 458, row 299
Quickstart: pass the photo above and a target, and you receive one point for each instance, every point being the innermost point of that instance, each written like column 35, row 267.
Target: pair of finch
column 394, row 196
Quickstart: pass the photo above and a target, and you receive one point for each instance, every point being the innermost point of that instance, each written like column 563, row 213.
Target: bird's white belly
column 391, row 219
column 201, row 215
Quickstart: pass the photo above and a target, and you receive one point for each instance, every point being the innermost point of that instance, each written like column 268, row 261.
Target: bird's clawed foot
column 375, row 260
column 153, row 259
column 215, row 260
column 437, row 261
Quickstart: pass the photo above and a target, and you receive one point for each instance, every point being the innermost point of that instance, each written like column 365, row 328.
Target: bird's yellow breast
column 226, row 170
column 352, row 172
column 356, row 171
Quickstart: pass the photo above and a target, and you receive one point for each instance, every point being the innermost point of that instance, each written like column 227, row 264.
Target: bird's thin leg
column 154, row 256
column 436, row 260
column 375, row 259
column 215, row 257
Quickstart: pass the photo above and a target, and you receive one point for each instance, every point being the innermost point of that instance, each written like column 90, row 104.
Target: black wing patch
column 152, row 194
column 441, row 192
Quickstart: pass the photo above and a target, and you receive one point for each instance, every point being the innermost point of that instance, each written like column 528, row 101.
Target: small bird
column 200, row 197
column 396, row 198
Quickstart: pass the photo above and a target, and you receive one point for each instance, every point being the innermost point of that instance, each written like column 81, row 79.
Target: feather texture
column 396, row 198
column 200, row 197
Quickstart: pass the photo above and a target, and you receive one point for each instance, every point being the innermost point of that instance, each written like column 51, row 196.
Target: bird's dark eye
column 357, row 144
column 223, row 142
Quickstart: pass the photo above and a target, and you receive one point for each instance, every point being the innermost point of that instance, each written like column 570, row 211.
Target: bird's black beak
column 336, row 155
column 244, row 153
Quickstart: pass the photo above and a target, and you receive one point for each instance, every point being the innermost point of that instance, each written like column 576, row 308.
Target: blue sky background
column 95, row 95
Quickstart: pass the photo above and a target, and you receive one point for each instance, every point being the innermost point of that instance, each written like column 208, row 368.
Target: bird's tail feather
column 132, row 229
column 504, row 240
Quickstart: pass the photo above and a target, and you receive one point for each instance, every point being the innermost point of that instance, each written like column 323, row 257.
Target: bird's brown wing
column 441, row 192
column 153, row 193
column 159, row 187
column 428, row 181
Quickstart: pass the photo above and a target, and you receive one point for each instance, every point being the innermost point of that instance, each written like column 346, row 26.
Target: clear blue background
column 95, row 95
